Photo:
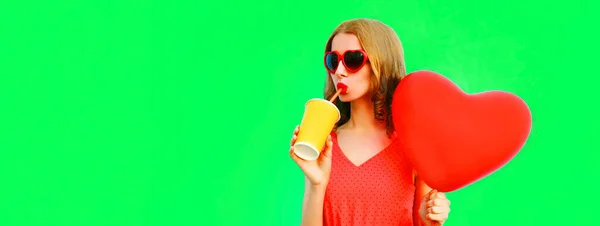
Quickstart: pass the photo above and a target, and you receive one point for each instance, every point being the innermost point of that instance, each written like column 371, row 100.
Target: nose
column 341, row 72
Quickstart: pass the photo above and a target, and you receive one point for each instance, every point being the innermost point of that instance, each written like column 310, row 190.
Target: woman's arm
column 421, row 190
column 312, row 209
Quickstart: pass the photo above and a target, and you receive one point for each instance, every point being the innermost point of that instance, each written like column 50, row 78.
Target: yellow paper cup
column 319, row 119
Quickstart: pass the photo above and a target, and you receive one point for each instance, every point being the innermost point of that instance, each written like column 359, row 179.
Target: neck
column 362, row 116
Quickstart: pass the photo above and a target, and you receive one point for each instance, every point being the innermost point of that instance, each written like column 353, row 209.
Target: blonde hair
column 386, row 56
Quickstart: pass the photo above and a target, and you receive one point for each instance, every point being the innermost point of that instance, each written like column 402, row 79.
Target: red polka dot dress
column 378, row 192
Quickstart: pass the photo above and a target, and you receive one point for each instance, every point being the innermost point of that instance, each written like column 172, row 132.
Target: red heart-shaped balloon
column 452, row 138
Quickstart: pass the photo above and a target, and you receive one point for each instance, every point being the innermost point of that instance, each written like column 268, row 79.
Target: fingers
column 438, row 209
column 440, row 195
column 437, row 217
column 292, row 142
column 438, row 202
column 438, row 206
column 436, row 198
column 431, row 194
column 294, row 136
column 328, row 147
column 292, row 154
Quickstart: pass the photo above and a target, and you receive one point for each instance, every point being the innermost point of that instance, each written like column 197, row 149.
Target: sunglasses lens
column 354, row 60
column 331, row 60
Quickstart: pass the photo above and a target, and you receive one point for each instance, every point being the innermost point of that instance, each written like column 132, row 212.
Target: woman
column 362, row 177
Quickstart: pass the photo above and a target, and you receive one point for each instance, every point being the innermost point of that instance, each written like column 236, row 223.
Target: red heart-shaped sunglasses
column 353, row 60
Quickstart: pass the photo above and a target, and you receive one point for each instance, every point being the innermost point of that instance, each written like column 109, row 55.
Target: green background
column 180, row 112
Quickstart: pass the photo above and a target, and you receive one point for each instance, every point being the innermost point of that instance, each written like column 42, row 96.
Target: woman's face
column 358, row 82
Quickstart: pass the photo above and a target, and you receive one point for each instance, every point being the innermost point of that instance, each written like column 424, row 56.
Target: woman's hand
column 317, row 172
column 434, row 209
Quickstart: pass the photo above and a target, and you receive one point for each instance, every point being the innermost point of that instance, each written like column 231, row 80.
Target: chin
column 346, row 98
